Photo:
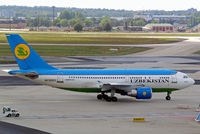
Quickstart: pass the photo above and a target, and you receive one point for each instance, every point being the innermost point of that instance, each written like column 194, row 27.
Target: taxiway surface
column 58, row 111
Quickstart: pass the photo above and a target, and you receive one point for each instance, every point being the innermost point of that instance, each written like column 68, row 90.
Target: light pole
column 10, row 20
column 38, row 21
column 53, row 14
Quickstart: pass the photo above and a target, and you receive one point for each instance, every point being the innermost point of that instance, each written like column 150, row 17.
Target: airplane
column 136, row 83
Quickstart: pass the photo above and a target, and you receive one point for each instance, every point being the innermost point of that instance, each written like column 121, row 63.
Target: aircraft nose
column 192, row 81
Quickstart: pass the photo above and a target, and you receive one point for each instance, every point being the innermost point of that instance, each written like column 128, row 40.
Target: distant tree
column 56, row 22
column 96, row 21
column 79, row 15
column 154, row 21
column 88, row 22
column 64, row 23
column 72, row 22
column 105, row 20
column 98, row 29
column 139, row 22
column 47, row 22
column 107, row 27
column 129, row 21
column 115, row 22
column 29, row 22
column 78, row 27
column 33, row 22
column 132, row 23
column 44, row 22
column 126, row 25
column 65, row 15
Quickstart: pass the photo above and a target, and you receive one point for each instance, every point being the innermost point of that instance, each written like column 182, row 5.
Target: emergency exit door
column 174, row 79
column 60, row 77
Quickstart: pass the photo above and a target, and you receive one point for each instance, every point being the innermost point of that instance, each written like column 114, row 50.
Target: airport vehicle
column 8, row 112
column 135, row 83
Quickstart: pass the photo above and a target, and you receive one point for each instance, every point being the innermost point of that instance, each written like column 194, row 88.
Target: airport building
column 131, row 28
column 160, row 27
column 196, row 28
column 180, row 26
column 161, row 18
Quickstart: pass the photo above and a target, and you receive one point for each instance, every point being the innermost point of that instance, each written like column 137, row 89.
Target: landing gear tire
column 108, row 99
column 168, row 97
column 114, row 99
column 105, row 96
column 100, row 97
column 17, row 115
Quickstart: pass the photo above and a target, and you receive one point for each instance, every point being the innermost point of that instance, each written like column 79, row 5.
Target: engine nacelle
column 141, row 93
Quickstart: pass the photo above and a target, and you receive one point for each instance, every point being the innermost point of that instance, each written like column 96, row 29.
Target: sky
column 111, row 4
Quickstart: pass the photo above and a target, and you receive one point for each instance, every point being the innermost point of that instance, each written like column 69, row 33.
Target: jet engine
column 141, row 93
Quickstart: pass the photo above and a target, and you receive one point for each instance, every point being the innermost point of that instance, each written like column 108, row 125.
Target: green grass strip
column 63, row 38
column 47, row 50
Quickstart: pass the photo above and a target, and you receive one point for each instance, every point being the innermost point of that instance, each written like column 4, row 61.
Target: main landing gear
column 168, row 96
column 106, row 97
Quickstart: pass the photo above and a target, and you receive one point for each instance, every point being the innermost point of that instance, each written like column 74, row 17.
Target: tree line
column 97, row 18
column 78, row 21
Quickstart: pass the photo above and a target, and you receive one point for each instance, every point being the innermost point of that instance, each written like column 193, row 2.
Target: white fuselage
column 176, row 81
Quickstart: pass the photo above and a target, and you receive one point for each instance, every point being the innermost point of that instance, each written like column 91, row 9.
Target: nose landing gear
column 168, row 97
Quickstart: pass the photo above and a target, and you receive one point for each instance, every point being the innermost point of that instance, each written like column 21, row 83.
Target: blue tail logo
column 22, row 51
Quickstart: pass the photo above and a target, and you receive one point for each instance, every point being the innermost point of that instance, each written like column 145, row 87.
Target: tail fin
column 25, row 56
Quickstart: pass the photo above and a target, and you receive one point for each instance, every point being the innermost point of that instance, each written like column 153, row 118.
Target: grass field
column 7, row 61
column 86, row 38
column 77, row 50
column 197, row 52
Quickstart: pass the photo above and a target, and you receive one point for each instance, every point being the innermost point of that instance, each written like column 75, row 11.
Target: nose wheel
column 168, row 97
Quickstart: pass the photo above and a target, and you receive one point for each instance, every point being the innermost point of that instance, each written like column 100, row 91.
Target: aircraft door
column 128, row 79
column 174, row 79
column 60, row 77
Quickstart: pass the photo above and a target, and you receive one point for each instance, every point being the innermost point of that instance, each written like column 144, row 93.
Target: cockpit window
column 185, row 76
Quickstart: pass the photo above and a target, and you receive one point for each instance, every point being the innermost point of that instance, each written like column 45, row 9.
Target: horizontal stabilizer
column 6, row 71
column 31, row 75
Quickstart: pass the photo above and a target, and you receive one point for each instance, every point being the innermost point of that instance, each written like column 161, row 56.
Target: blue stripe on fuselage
column 98, row 72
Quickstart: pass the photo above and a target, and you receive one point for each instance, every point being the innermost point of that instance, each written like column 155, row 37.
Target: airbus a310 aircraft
column 134, row 83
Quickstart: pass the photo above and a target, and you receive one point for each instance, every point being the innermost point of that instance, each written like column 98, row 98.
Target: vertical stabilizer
column 25, row 56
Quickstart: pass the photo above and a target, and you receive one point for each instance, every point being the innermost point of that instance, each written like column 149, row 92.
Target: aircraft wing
column 120, row 86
